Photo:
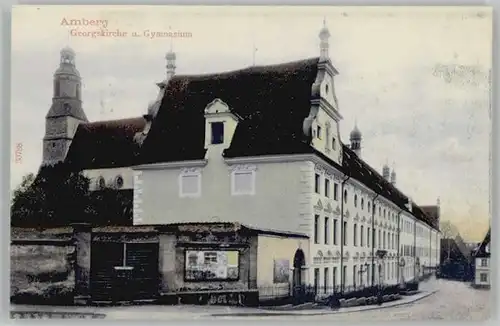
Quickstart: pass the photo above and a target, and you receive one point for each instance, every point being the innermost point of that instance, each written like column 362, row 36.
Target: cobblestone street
column 454, row 301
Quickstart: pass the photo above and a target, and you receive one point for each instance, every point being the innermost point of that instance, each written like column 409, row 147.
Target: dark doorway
column 299, row 261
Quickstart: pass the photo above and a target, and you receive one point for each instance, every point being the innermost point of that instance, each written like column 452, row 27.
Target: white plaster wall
column 480, row 269
column 275, row 205
column 271, row 248
column 324, row 144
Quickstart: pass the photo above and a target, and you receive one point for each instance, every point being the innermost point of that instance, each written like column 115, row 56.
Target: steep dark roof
column 105, row 144
column 431, row 211
column 481, row 251
column 271, row 100
column 361, row 171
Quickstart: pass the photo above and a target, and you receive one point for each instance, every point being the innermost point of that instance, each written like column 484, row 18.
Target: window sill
column 190, row 196
column 243, row 194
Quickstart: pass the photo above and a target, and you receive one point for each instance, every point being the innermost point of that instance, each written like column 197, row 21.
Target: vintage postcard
column 251, row 162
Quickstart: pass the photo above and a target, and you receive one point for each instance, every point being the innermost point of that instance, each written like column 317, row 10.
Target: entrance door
column 124, row 271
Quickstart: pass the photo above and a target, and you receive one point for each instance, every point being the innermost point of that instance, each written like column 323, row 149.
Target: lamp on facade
column 362, row 271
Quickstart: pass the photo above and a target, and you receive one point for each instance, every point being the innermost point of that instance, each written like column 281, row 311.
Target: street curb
column 330, row 312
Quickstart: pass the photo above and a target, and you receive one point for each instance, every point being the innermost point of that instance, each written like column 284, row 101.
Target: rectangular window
column 484, row 277
column 325, row 281
column 354, row 275
column 362, row 235
column 355, row 235
column 243, row 183
column 318, row 132
column 317, row 183
column 335, row 191
column 334, row 145
column 334, row 277
column 190, row 185
column 344, row 275
column 327, row 188
column 368, row 237
column 335, row 242
column 344, row 234
column 379, row 239
column 316, row 279
column 217, row 132
column 327, row 230
column 316, row 229
column 368, row 276
column 484, row 263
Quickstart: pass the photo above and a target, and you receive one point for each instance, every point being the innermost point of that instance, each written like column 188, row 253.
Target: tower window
column 217, row 132
column 56, row 88
column 78, row 91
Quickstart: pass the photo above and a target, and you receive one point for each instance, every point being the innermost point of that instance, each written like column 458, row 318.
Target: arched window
column 345, row 196
column 101, row 183
column 355, row 200
column 369, row 207
column 119, row 182
column 362, row 203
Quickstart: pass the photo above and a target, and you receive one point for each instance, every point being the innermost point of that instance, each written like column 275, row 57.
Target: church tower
column 355, row 139
column 66, row 110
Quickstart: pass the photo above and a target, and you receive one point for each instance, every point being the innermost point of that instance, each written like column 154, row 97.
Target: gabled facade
column 482, row 263
column 238, row 147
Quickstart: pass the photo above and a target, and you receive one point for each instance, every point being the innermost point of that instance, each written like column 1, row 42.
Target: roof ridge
column 246, row 69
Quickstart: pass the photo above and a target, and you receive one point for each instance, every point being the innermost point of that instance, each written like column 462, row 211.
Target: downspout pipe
column 373, row 238
column 414, row 248
column 342, row 240
column 399, row 244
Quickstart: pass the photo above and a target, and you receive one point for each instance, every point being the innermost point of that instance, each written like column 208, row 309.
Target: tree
column 55, row 197
column 59, row 196
column 449, row 232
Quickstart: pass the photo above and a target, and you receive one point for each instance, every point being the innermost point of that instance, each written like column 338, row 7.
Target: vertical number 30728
column 18, row 153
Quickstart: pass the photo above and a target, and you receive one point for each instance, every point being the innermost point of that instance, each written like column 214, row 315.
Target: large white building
column 259, row 146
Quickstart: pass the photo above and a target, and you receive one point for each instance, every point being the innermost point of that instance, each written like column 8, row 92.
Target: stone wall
column 42, row 272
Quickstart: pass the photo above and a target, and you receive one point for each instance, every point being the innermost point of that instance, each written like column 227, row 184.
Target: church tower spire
column 170, row 56
column 324, row 36
column 66, row 111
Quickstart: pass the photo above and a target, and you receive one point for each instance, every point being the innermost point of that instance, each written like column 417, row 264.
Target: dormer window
column 217, row 132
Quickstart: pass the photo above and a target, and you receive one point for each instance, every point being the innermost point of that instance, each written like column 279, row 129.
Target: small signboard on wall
column 204, row 265
column 281, row 271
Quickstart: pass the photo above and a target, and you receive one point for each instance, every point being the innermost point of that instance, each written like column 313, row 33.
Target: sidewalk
column 143, row 312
